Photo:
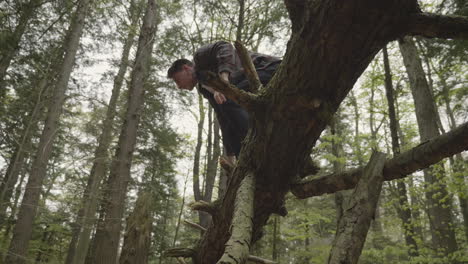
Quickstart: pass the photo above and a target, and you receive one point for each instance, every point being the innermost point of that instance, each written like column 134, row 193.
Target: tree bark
column 86, row 218
column 328, row 50
column 137, row 239
column 108, row 235
column 404, row 211
column 358, row 214
column 23, row 228
column 438, row 199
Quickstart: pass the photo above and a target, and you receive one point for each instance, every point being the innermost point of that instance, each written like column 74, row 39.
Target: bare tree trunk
column 23, row 228
column 212, row 164
column 439, row 202
column 180, row 212
column 358, row 214
column 338, row 152
column 357, row 140
column 108, row 235
column 198, row 194
column 86, row 218
column 276, row 231
column 458, row 164
column 137, row 239
column 404, row 211
column 14, row 207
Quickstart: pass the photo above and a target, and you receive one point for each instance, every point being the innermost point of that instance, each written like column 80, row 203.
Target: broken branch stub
column 249, row 68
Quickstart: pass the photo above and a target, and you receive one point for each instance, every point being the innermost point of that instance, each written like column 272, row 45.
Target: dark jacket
column 222, row 57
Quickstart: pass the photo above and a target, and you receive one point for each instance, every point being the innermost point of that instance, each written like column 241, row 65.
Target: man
column 221, row 58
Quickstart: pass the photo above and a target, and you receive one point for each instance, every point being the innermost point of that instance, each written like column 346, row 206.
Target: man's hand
column 224, row 76
column 219, row 97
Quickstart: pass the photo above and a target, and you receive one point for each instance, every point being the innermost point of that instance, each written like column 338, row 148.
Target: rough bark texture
column 403, row 209
column 438, row 199
column 137, row 239
column 23, row 228
column 86, row 218
column 358, row 214
column 108, row 235
column 329, row 49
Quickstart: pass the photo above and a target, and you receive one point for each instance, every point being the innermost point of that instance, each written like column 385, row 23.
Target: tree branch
column 438, row 26
column 249, row 68
column 260, row 260
column 179, row 252
column 194, row 225
column 420, row 157
column 243, row 98
column 203, row 206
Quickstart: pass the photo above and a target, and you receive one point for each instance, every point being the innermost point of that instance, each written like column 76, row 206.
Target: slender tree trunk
column 11, row 45
column 404, row 211
column 137, row 239
column 198, row 194
column 18, row 159
column 87, row 214
column 458, row 164
column 354, row 225
column 180, row 211
column 438, row 199
column 274, row 247
column 240, row 21
column 338, row 166
column 14, row 208
column 108, row 235
column 23, row 228
column 357, row 140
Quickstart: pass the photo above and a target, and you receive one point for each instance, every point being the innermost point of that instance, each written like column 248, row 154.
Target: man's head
column 183, row 74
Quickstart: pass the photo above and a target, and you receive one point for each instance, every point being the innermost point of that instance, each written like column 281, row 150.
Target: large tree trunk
column 108, row 235
column 404, row 211
column 137, row 239
column 23, row 228
column 329, row 49
column 438, row 199
column 86, row 217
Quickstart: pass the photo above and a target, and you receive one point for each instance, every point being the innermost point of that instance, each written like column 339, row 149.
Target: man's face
column 185, row 78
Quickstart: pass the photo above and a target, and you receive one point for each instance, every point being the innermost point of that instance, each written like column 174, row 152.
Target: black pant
column 238, row 118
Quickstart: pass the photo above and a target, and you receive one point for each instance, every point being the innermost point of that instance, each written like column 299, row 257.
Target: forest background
column 80, row 61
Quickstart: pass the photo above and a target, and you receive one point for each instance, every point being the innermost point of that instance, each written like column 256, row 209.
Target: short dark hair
column 177, row 67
